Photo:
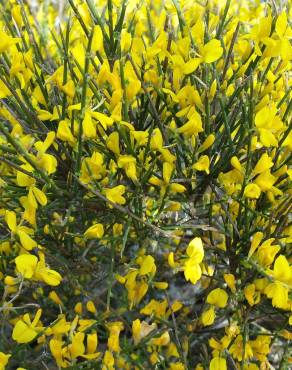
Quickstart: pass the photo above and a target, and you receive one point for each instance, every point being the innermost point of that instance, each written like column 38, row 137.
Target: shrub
column 145, row 185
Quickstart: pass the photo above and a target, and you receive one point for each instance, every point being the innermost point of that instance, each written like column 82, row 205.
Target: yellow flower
column 114, row 332
column 177, row 188
column 92, row 342
column 4, row 91
column 44, row 273
column 261, row 347
column 25, row 331
column 266, row 252
column 265, row 181
column 140, row 330
column 167, row 172
column 267, row 138
column 26, row 265
column 112, row 142
column 64, row 132
column 218, row 297
column 94, row 231
column 268, row 125
column 88, row 126
column 56, row 350
column 171, row 261
column 7, row 41
column 97, row 39
column 282, row 271
column 68, row 89
column 154, row 307
column 26, row 241
column 163, row 340
column 252, row 191
column 238, row 348
column 236, row 163
column 208, row 316
column 38, row 194
column 211, row 51
column 191, row 65
column 278, row 291
column 92, row 167
column 162, row 285
column 195, row 252
column 156, row 140
column 230, row 281
column 136, row 289
column 141, row 137
column 77, row 347
column 22, row 179
column 91, row 307
column 251, row 295
column 21, row 231
column 128, row 162
column 147, row 265
column 202, row 164
column 115, row 194
column 108, row 361
column 255, row 242
column 3, row 360
column 55, row 298
column 192, row 271
column 61, row 327
column 30, row 267
column 177, row 366
column 193, row 126
column 263, row 164
column 212, row 91
column 218, row 363
column 207, row 143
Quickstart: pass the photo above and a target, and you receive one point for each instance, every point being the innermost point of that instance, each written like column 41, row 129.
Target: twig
column 20, row 169
column 19, row 148
column 150, row 100
column 230, row 51
column 5, row 305
column 6, row 308
column 125, row 210
column 181, row 350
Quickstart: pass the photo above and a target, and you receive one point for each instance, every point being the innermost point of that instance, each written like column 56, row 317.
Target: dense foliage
column 145, row 189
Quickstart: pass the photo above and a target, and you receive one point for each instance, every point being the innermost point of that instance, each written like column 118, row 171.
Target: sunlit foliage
column 145, row 184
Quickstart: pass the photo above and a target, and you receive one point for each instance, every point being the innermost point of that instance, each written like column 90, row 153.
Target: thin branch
column 126, row 211
column 20, row 169
column 156, row 115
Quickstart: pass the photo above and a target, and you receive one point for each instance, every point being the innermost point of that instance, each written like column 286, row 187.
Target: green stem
column 83, row 105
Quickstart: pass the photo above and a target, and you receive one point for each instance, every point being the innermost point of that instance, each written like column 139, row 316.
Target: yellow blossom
column 94, row 231
column 218, row 363
column 26, row 330
column 208, row 316
column 218, row 297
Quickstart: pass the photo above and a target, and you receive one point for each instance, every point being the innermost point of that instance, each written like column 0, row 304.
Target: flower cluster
column 145, row 184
